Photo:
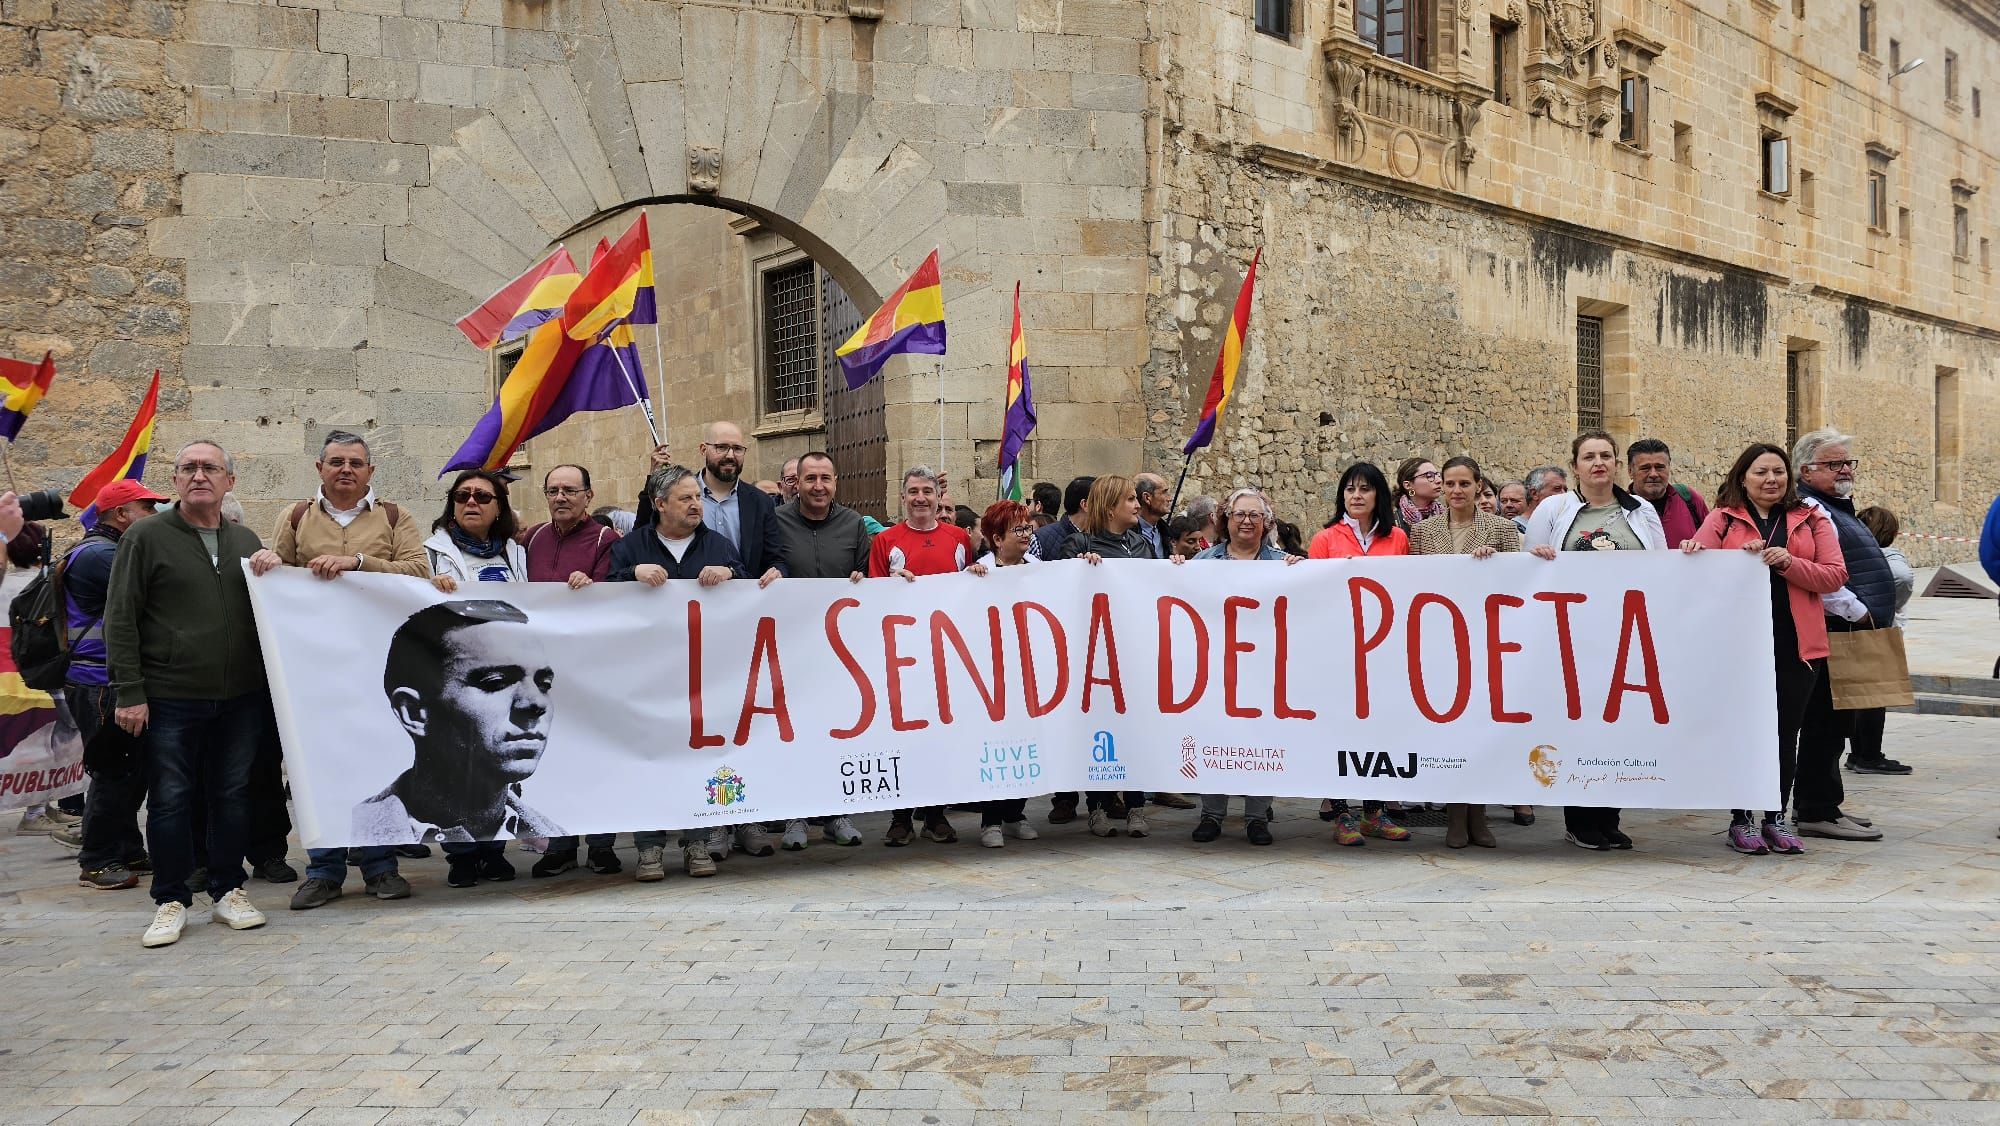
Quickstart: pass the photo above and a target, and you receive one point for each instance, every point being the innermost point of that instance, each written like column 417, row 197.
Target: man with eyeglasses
column 343, row 528
column 181, row 646
column 571, row 548
column 788, row 480
column 1826, row 466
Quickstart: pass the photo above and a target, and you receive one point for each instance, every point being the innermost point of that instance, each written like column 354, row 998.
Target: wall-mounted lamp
column 1906, row 68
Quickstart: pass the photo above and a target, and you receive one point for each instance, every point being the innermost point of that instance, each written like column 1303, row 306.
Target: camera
column 42, row 504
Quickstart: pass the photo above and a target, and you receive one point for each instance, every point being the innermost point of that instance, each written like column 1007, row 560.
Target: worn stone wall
column 86, row 145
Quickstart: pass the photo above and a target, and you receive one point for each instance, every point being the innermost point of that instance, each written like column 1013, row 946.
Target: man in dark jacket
column 1049, row 540
column 1826, row 480
column 746, row 517
column 111, row 808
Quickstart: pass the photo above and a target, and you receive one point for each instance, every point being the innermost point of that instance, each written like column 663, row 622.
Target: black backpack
column 40, row 642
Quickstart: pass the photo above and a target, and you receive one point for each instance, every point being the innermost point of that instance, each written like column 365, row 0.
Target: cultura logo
column 1189, row 770
column 871, row 776
column 727, row 788
column 1543, row 764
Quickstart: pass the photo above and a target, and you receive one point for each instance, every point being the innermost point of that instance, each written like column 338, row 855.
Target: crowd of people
column 165, row 651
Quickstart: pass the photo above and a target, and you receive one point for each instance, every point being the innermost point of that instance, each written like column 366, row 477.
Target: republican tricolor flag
column 910, row 322
column 22, row 385
column 1020, row 417
column 1227, row 361
column 128, row 461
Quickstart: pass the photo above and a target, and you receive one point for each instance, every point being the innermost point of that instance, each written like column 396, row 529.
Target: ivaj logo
column 727, row 788
column 1104, row 764
column 1374, row 764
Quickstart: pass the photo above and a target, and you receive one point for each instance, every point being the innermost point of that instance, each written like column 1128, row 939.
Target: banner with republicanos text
column 528, row 709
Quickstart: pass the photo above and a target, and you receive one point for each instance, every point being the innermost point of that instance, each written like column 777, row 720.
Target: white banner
column 1631, row 679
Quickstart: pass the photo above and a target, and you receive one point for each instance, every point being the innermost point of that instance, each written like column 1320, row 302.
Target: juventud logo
column 1543, row 764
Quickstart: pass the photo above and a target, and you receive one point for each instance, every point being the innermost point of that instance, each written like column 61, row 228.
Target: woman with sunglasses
column 474, row 542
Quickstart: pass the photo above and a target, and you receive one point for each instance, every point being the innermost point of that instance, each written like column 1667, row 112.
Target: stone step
column 1956, row 685
column 1940, row 703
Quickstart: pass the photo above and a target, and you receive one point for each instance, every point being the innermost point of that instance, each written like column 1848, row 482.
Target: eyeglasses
column 559, row 491
column 199, row 469
column 1433, row 475
column 470, row 496
column 346, row 463
column 1024, row 531
column 726, row 448
column 1246, row 516
column 1849, row 464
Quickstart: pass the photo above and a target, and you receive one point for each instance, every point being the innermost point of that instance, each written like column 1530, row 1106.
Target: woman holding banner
column 1247, row 515
column 1597, row 515
column 1758, row 510
column 1109, row 521
column 1464, row 529
column 1366, row 527
column 1009, row 529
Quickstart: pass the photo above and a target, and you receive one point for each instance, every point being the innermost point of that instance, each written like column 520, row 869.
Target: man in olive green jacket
column 189, row 677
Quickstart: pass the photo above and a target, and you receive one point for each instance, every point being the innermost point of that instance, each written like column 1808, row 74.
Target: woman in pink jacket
column 1758, row 510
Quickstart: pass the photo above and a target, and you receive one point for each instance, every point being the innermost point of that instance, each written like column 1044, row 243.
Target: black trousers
column 1795, row 682
column 111, row 806
column 1589, row 818
column 1865, row 744
column 1818, row 791
column 1003, row 812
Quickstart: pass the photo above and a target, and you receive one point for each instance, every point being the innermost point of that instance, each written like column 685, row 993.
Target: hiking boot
column 388, row 885
column 1258, row 832
column 700, row 862
column 553, row 863
column 604, row 861
column 165, row 929
column 1021, row 830
column 841, row 831
column 1208, row 830
column 1062, row 812
column 1747, row 839
column 116, row 877
column 653, row 862
column 315, row 892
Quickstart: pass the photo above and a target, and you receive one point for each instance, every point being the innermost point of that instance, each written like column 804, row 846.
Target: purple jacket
column 554, row 555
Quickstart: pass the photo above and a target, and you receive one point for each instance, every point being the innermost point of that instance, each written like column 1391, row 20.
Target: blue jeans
column 331, row 863
column 200, row 751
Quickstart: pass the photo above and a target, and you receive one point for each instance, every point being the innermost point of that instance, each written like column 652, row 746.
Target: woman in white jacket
column 1595, row 516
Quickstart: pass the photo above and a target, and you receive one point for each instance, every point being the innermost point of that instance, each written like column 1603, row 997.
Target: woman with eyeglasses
column 1596, row 515
column 1248, row 517
column 1418, row 487
column 1010, row 528
column 1109, row 529
column 1366, row 526
column 1462, row 529
column 474, row 542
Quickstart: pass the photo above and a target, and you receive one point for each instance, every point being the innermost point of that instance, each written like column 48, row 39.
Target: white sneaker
column 1100, row 824
column 718, row 843
column 1022, row 831
column 991, row 837
column 236, row 910
column 841, row 831
column 753, row 840
column 699, row 861
column 1135, row 824
column 167, row 924
column 653, row 865
column 38, row 820
column 795, row 835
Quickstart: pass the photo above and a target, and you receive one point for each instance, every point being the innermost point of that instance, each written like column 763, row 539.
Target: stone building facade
column 1482, row 220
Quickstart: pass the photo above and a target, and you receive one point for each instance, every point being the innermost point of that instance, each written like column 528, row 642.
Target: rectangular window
column 1589, row 372
column 1961, row 232
column 1777, row 164
column 1802, row 406
column 1808, row 191
column 1867, row 27
column 1684, row 143
column 1985, row 254
column 1945, row 436
column 1632, row 98
column 1274, row 17
column 791, row 338
column 1506, row 62
column 1904, row 225
column 1895, row 54
column 1951, row 76
column 1397, row 29
column 1975, row 101
column 1878, row 199
column 1794, row 373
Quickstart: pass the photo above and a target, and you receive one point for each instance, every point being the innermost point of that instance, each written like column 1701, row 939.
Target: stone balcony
column 1401, row 120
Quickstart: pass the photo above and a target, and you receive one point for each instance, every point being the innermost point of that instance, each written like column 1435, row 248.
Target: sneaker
column 38, row 821
column 315, row 892
column 117, row 877
column 62, row 816
column 753, row 840
column 1208, row 830
column 1100, row 824
column 1062, row 812
column 553, row 863
column 1875, row 766
column 1022, row 831
column 1617, row 839
column 142, row 864
column 275, row 871
column 1779, row 835
column 388, row 885
column 718, row 843
column 68, row 836
column 1838, row 830
column 1258, row 832
column 1382, row 828
column 1172, row 801
column 166, row 928
column 496, row 869
column 1588, row 838
column 414, row 851
column 1747, row 839
column 236, row 911
column 463, row 873
column 991, row 836
column 794, row 839
column 900, row 833
column 1347, row 829
column 939, row 830
column 842, row 832
column 653, row 862
column 1135, row 824
column 700, row 862
column 197, row 881
column 604, row 861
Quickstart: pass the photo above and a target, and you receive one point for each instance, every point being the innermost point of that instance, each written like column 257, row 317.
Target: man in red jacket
column 1681, row 509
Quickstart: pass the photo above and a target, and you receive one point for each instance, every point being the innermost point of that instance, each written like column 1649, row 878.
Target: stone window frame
column 1421, row 23
column 1951, row 101
column 1617, row 375
column 1961, row 219
column 772, row 422
column 1291, row 14
column 1947, row 436
column 1881, row 161
column 1871, row 31
column 1636, row 55
column 1504, row 80
column 1805, row 392
column 1774, row 142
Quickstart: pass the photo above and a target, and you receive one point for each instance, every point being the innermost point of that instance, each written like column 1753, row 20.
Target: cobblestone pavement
column 1068, row 979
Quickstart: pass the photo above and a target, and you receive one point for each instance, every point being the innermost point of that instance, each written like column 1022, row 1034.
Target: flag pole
column 940, row 415
column 660, row 370
column 645, row 403
column 4, row 460
column 1175, row 505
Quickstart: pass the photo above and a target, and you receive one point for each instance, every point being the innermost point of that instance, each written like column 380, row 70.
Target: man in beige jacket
column 345, row 528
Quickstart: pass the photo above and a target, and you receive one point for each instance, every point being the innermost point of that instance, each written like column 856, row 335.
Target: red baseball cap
column 125, row 491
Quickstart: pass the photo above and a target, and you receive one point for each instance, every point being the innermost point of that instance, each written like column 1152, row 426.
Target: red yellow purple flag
column 128, row 461
column 1228, row 359
column 911, row 321
column 1020, row 416
column 22, row 385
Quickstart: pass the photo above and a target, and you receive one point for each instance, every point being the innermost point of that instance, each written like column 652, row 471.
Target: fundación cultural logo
column 1543, row 764
column 870, row 776
column 727, row 788
column 1104, row 764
